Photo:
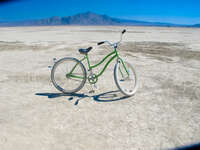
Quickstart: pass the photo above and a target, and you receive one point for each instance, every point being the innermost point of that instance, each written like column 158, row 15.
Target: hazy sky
column 174, row 11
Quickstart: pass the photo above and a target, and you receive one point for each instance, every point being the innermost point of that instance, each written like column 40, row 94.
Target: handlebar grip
column 123, row 31
column 89, row 48
column 100, row 43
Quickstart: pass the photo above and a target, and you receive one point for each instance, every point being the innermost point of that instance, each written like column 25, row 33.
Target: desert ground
column 163, row 114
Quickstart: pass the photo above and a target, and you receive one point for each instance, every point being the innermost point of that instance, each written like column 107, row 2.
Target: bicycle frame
column 115, row 55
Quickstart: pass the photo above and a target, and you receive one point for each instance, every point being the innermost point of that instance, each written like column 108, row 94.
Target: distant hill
column 89, row 18
column 196, row 25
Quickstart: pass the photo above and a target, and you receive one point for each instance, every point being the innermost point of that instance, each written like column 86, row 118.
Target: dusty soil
column 164, row 113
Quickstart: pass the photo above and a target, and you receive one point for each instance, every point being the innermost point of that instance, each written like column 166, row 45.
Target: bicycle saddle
column 85, row 51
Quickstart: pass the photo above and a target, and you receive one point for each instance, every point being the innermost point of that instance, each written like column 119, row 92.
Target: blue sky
column 173, row 11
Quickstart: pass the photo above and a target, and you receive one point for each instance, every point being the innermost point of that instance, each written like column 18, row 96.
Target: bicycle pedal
column 92, row 91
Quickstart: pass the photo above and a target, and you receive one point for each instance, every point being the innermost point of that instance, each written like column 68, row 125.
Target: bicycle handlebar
column 99, row 43
column 123, row 31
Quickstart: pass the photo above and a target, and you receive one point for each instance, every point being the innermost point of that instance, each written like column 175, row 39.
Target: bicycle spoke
column 126, row 82
column 68, row 83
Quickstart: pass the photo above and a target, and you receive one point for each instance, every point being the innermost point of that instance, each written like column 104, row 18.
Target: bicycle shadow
column 110, row 96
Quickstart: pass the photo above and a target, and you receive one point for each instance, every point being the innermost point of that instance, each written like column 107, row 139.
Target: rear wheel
column 68, row 75
column 126, row 82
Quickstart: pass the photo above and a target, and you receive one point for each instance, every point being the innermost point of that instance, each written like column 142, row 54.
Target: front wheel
column 68, row 75
column 125, row 78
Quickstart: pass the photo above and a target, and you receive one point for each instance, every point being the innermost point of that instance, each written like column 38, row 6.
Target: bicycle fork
column 119, row 60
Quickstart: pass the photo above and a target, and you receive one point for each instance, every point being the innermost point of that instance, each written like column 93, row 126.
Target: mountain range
column 89, row 18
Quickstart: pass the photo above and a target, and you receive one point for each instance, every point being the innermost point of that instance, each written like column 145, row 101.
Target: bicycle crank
column 92, row 78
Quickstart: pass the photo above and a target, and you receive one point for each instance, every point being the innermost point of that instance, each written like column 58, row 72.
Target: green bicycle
column 69, row 75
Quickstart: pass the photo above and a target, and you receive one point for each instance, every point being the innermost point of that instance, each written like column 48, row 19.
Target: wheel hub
column 67, row 75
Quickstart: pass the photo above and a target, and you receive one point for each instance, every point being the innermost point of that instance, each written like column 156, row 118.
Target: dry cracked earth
column 163, row 114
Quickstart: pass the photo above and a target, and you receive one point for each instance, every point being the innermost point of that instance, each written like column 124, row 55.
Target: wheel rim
column 64, row 80
column 126, row 83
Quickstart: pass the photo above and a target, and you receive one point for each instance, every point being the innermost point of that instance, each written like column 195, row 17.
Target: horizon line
column 114, row 17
